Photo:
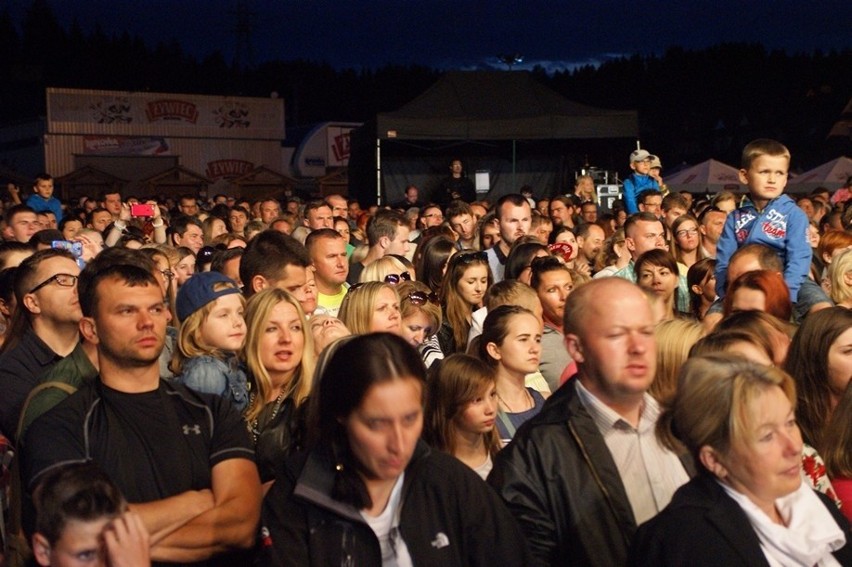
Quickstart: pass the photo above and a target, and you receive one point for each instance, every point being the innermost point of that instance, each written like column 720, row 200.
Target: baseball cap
column 655, row 162
column 639, row 155
column 199, row 290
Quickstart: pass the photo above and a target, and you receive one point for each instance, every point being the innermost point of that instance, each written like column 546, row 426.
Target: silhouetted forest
column 692, row 104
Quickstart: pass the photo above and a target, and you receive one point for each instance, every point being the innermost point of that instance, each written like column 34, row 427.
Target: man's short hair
column 10, row 247
column 516, row 199
column 91, row 214
column 384, row 223
column 508, row 292
column 79, row 492
column 267, row 254
column 766, row 257
column 42, row 177
column 128, row 265
column 221, row 257
column 26, row 274
column 314, row 205
column 642, row 216
column 583, row 229
column 646, row 194
column 103, row 194
column 322, row 233
column 673, row 200
column 181, row 223
column 457, row 208
column 16, row 210
column 762, row 147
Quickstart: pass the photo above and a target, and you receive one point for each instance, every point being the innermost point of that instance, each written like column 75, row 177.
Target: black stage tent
column 507, row 123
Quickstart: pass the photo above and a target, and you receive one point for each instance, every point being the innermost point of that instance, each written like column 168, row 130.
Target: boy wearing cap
column 639, row 180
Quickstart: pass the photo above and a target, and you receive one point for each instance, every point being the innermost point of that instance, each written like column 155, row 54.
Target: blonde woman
column 279, row 355
column 371, row 307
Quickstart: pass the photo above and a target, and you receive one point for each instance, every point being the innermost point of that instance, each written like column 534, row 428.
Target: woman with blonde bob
column 370, row 307
column 386, row 269
column 748, row 504
column 840, row 279
column 279, row 354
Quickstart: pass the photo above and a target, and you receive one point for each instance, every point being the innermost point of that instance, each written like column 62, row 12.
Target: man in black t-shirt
column 455, row 186
column 183, row 460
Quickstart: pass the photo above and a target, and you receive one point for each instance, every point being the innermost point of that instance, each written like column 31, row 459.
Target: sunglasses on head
column 394, row 279
column 421, row 297
column 468, row 257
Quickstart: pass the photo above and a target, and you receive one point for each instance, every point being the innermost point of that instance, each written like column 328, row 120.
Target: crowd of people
column 227, row 381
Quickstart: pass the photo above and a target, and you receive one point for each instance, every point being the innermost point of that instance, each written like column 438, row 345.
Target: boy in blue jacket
column 639, row 180
column 770, row 218
column 42, row 198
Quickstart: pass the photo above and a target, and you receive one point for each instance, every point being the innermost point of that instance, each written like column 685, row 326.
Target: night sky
column 465, row 34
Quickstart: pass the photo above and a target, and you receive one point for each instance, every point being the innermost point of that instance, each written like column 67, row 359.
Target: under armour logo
column 194, row 429
column 441, row 540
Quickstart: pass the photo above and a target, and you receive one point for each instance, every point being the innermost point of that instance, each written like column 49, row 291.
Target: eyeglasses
column 65, row 280
column 394, row 279
column 421, row 297
column 689, row 231
column 468, row 257
column 168, row 274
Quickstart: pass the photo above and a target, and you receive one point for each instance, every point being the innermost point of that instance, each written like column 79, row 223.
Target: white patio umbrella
column 831, row 175
column 709, row 176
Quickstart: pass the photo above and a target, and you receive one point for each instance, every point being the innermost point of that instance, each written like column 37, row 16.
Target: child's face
column 44, row 188
column 225, row 328
column 480, row 414
column 641, row 167
column 81, row 545
column 766, row 177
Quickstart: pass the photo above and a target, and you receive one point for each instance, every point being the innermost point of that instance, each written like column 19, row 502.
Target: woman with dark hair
column 656, row 273
column 759, row 290
column 520, row 258
column 747, row 505
column 820, row 361
column 368, row 491
column 431, row 259
column 701, row 281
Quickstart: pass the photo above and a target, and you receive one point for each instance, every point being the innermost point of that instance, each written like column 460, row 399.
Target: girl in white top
column 461, row 412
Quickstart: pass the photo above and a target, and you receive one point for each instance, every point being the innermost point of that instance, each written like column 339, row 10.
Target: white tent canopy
column 709, row 176
column 831, row 175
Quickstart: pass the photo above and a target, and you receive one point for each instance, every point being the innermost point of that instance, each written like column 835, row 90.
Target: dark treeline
column 692, row 104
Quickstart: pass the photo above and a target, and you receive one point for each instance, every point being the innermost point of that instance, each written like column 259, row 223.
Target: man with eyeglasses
column 430, row 216
column 44, row 331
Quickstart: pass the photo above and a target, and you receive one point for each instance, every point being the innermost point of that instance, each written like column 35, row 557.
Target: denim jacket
column 226, row 378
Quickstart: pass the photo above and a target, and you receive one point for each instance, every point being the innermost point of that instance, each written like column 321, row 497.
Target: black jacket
column 560, row 482
column 704, row 526
column 449, row 517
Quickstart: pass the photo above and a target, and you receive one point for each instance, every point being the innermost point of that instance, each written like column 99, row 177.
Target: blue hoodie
column 781, row 225
column 634, row 185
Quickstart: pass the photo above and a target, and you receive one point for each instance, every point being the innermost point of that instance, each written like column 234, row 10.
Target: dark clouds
column 467, row 33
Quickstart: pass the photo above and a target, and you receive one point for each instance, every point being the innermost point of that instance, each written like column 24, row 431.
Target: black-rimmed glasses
column 65, row 280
